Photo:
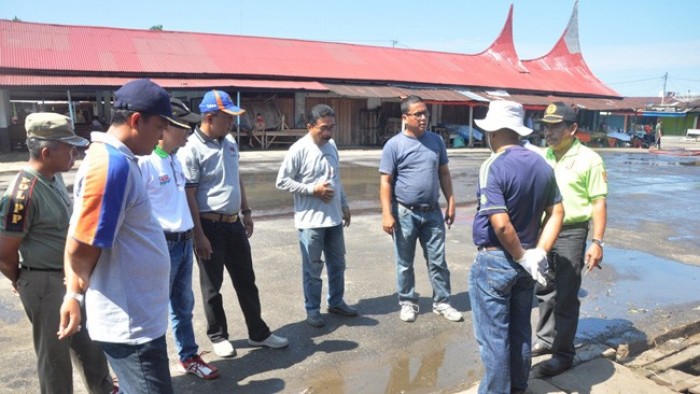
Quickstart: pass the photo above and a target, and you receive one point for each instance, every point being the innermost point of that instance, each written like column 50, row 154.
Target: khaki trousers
column 42, row 295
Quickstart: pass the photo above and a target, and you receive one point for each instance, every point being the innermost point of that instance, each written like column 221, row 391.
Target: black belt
column 419, row 207
column 575, row 225
column 181, row 236
column 24, row 267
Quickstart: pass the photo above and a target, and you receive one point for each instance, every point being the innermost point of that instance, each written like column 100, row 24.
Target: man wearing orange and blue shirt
column 116, row 253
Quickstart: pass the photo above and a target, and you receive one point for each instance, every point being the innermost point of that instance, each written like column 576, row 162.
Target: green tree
column 156, row 27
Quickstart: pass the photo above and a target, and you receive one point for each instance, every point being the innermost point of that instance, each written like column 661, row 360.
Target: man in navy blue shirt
column 413, row 170
column 515, row 187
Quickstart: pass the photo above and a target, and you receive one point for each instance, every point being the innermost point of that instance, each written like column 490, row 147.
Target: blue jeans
column 331, row 242
column 428, row 228
column 182, row 297
column 140, row 368
column 501, row 295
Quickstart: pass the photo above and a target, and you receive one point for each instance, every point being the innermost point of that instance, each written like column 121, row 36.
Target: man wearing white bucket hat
column 515, row 187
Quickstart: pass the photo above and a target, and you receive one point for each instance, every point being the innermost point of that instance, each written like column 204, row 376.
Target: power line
column 685, row 79
column 635, row 81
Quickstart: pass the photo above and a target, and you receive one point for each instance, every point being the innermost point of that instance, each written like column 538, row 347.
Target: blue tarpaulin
column 661, row 114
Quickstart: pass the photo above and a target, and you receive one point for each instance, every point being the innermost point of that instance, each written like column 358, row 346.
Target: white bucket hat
column 504, row 114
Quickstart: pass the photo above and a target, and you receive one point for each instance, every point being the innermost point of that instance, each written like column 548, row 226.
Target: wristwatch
column 599, row 242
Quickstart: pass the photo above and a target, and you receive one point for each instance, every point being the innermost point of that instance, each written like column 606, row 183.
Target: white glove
column 535, row 263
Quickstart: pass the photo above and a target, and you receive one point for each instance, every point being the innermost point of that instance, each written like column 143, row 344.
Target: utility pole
column 663, row 93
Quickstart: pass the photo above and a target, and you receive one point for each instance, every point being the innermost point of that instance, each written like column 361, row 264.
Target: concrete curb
column 600, row 368
column 685, row 330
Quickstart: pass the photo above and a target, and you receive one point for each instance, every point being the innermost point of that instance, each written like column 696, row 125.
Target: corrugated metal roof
column 168, row 83
column 381, row 91
column 474, row 96
column 503, row 47
column 61, row 48
column 564, row 65
column 540, row 102
column 592, row 104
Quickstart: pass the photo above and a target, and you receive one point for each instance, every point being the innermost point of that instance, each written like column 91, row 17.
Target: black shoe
column 539, row 349
column 315, row 319
column 555, row 366
column 343, row 309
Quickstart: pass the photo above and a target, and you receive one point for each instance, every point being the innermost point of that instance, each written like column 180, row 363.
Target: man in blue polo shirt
column 412, row 170
column 515, row 187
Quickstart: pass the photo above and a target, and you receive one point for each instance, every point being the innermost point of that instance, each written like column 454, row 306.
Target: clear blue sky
column 629, row 44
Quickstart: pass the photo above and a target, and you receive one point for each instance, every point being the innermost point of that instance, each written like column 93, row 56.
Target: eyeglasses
column 325, row 128
column 420, row 114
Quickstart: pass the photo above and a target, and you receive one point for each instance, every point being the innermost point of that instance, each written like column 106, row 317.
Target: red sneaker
column 198, row 367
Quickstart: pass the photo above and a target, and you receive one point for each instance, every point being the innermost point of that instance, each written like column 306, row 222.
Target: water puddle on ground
column 653, row 189
column 361, row 186
column 442, row 363
column 630, row 288
column 9, row 313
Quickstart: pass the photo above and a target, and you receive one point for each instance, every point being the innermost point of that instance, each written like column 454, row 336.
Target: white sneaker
column 448, row 311
column 224, row 349
column 409, row 312
column 273, row 341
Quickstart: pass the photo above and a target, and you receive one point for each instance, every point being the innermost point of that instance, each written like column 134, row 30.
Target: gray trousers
column 42, row 294
column 558, row 302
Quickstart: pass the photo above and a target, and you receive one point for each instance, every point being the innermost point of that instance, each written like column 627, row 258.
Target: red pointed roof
column 63, row 50
column 564, row 65
column 503, row 47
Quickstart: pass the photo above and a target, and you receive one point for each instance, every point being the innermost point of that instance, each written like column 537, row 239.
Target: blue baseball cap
column 145, row 96
column 218, row 100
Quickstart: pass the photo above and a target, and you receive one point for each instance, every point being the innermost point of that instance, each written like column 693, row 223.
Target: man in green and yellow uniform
column 582, row 181
column 34, row 215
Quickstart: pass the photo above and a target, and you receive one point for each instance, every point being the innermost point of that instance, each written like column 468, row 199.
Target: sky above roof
column 630, row 45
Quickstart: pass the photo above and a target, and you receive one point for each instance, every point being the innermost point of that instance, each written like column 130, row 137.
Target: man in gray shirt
column 413, row 163
column 311, row 172
column 222, row 224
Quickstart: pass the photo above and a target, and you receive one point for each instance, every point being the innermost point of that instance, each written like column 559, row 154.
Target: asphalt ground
column 376, row 352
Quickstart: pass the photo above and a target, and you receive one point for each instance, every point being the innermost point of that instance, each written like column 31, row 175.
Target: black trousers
column 558, row 302
column 230, row 249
